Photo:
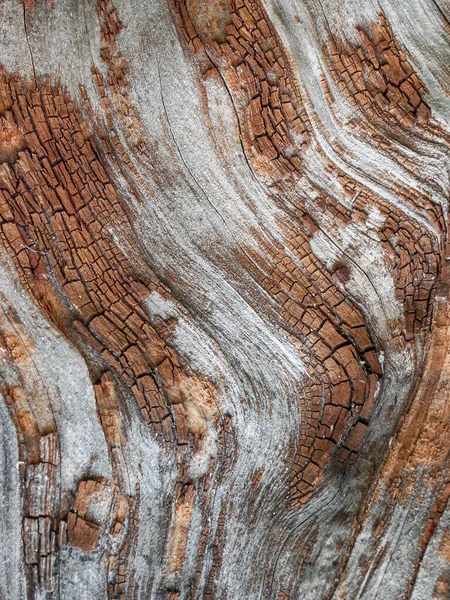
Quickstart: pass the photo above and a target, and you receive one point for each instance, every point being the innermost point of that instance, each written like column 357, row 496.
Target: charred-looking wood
column 224, row 325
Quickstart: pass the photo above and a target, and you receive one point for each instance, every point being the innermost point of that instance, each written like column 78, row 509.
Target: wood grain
column 224, row 319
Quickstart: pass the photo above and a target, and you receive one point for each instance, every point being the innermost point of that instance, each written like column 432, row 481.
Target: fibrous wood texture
column 224, row 324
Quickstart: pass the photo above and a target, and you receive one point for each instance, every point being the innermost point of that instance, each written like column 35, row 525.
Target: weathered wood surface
column 224, row 325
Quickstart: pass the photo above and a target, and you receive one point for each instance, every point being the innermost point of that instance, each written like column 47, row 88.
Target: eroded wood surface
column 224, row 325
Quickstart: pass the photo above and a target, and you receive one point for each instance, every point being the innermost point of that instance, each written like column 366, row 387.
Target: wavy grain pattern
column 224, row 320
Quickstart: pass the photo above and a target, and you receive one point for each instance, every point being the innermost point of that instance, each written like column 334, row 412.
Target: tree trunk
column 224, row 335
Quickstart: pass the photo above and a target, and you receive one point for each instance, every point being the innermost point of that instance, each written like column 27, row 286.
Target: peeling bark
column 224, row 325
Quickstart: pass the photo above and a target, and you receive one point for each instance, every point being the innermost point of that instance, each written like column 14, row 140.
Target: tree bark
column 224, row 325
